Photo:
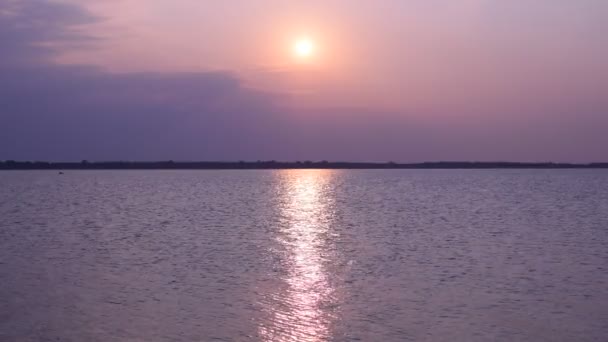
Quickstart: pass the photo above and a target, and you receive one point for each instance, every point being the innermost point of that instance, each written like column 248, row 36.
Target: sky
column 383, row 80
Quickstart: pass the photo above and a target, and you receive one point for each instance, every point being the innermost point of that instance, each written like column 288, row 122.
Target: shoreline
column 276, row 165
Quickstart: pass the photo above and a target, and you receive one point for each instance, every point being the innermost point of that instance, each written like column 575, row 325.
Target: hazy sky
column 401, row 80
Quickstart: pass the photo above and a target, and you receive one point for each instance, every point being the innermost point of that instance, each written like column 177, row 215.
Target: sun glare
column 304, row 48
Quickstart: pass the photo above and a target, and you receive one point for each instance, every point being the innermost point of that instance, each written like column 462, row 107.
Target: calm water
column 437, row 255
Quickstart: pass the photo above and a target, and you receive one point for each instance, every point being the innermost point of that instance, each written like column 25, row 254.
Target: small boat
column 60, row 172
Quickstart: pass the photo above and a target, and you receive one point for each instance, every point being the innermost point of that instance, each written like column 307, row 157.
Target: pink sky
column 397, row 53
column 525, row 80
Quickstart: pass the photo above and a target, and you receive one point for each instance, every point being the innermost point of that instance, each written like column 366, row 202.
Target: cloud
column 48, row 111
column 60, row 113
column 28, row 28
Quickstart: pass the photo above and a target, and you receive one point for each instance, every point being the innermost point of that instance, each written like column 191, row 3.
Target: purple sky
column 418, row 80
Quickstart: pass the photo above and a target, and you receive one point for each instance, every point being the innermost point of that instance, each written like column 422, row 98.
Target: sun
column 304, row 48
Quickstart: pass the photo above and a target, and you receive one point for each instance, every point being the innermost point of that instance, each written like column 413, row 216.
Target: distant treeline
column 243, row 165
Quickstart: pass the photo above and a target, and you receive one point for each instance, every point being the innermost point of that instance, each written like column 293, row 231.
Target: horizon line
column 273, row 164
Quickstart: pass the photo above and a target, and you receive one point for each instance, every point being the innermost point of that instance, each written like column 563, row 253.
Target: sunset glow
column 343, row 79
column 303, row 171
column 304, row 48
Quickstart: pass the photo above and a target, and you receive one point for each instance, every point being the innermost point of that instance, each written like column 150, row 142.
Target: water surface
column 304, row 255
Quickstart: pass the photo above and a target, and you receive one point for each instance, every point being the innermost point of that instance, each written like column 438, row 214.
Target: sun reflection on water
column 306, row 211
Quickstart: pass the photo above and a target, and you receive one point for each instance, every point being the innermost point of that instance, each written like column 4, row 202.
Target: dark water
column 310, row 255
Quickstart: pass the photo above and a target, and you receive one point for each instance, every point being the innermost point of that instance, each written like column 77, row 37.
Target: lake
column 304, row 255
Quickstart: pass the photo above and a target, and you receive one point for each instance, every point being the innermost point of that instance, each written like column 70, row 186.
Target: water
column 304, row 255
